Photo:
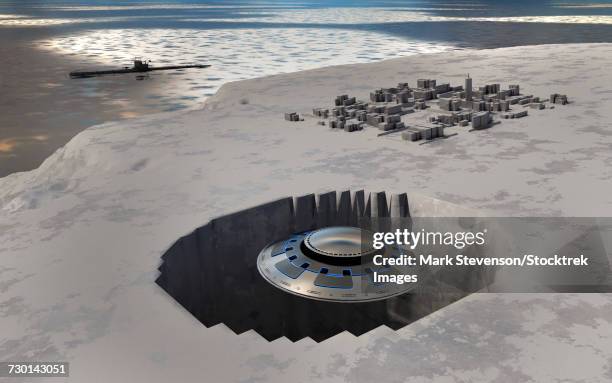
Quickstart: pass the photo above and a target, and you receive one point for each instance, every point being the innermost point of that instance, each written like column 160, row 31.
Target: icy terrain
column 81, row 236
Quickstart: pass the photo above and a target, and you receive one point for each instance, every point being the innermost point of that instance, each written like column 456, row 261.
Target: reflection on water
column 234, row 54
column 7, row 145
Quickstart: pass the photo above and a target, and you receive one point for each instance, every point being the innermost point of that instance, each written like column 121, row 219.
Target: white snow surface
column 81, row 236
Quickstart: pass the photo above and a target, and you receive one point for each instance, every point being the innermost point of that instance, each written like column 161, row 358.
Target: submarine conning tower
column 140, row 65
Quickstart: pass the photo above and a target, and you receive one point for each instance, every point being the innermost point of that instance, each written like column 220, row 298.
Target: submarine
column 140, row 66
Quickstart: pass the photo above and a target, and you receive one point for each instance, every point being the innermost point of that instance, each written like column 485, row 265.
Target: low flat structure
column 292, row 116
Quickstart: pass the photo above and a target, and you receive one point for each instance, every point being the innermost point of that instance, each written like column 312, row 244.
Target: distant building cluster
column 457, row 106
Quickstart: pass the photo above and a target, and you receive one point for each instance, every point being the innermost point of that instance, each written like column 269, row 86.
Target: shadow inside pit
column 212, row 272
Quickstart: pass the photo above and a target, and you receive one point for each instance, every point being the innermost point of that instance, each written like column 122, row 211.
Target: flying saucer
column 330, row 264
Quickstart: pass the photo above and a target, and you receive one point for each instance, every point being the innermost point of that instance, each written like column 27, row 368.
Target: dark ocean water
column 463, row 23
